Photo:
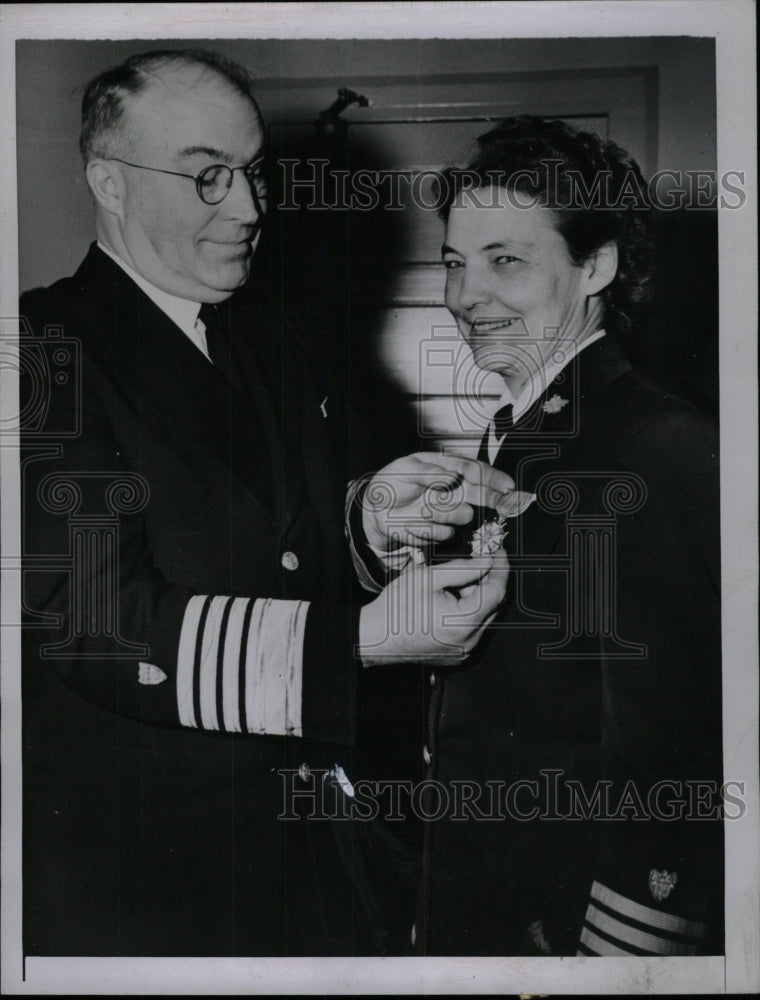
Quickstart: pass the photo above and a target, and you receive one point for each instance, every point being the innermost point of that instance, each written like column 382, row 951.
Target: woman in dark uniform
column 578, row 751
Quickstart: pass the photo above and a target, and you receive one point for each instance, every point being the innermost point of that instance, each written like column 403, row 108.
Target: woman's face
column 511, row 285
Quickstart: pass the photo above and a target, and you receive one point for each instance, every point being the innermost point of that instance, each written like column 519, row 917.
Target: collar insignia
column 661, row 884
column 554, row 404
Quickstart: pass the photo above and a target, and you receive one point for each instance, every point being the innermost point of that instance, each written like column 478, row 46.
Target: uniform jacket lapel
column 263, row 356
column 171, row 381
column 547, row 438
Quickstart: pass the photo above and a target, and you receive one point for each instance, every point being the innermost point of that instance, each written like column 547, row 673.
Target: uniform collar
column 182, row 312
column 536, row 386
column 555, row 413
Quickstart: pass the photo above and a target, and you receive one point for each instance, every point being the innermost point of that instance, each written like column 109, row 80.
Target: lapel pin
column 555, row 404
column 323, row 407
column 661, row 884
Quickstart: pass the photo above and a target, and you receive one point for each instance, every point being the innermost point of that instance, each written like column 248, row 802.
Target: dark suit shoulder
column 67, row 296
column 635, row 412
column 638, row 428
column 81, row 305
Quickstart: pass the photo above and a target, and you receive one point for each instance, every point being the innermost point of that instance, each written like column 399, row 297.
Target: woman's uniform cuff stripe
column 628, row 935
column 645, row 914
column 598, row 946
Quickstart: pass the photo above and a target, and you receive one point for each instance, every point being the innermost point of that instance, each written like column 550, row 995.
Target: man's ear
column 107, row 185
column 601, row 268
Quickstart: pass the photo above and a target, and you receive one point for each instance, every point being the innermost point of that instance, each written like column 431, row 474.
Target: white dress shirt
column 182, row 312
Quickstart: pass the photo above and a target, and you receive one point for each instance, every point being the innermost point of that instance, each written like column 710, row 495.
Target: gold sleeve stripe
column 294, row 687
column 209, row 661
column 240, row 665
column 274, row 667
column 601, row 947
column 231, row 666
column 627, row 935
column 186, row 660
column 645, row 914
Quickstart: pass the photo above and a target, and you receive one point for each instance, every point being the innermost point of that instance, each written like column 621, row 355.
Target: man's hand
column 434, row 614
column 420, row 498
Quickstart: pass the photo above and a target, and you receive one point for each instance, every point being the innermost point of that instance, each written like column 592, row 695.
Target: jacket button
column 426, row 755
column 289, row 560
column 304, row 772
column 433, row 680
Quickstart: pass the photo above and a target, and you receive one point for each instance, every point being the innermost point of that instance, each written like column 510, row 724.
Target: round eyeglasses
column 213, row 183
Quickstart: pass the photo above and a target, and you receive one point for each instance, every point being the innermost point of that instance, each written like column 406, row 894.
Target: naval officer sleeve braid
column 240, row 665
column 268, row 667
column 617, row 925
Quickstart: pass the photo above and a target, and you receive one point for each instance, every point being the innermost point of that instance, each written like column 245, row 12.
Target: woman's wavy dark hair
column 593, row 188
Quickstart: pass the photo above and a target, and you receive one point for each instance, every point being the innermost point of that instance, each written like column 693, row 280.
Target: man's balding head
column 155, row 130
column 109, row 95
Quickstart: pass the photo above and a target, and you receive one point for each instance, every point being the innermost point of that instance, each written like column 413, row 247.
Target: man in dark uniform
column 185, row 566
column 579, row 750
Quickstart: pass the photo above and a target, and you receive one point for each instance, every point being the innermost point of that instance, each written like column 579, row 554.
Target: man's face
column 510, row 283
column 186, row 120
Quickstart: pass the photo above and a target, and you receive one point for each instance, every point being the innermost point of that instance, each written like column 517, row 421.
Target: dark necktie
column 217, row 341
column 247, row 443
column 502, row 421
